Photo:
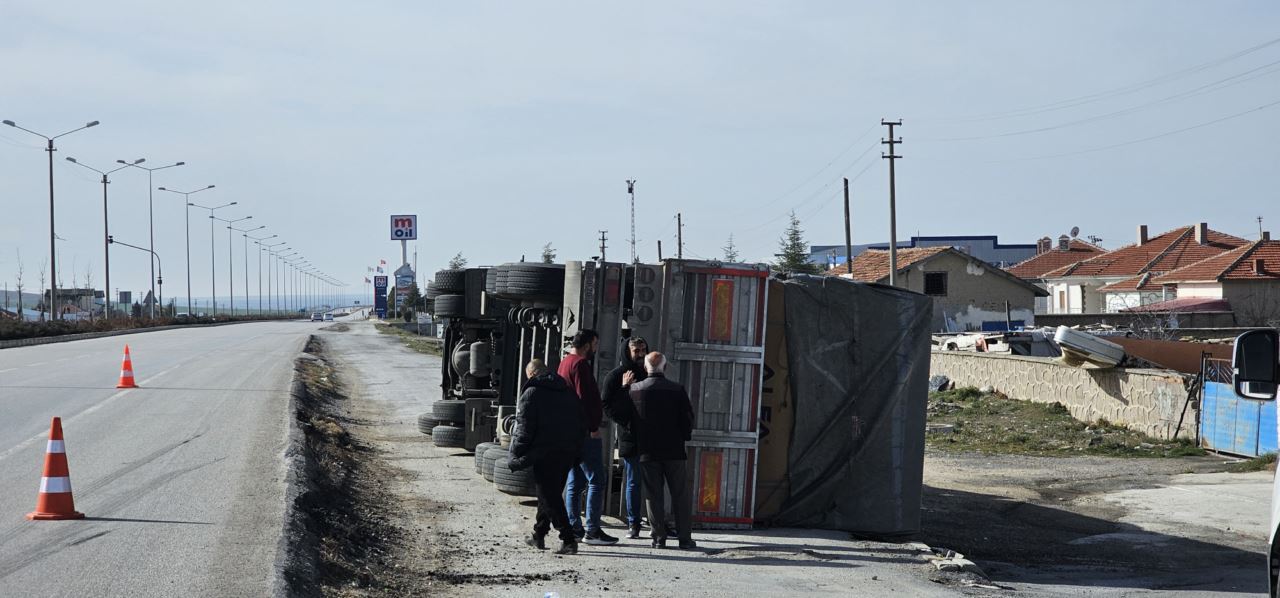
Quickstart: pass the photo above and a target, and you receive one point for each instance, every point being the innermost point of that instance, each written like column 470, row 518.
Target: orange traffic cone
column 126, row 371
column 55, row 500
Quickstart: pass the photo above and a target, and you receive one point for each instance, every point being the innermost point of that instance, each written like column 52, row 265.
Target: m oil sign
column 404, row 227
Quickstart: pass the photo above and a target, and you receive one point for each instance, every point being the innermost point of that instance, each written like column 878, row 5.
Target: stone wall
column 1203, row 319
column 1149, row 401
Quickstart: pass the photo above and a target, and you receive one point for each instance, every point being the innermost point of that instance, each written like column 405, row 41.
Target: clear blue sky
column 505, row 126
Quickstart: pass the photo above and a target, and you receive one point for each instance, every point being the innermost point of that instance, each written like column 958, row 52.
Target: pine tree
column 730, row 251
column 548, row 254
column 458, row 262
column 793, row 253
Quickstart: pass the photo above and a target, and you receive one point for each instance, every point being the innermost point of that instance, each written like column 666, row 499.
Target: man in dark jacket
column 663, row 422
column 617, row 405
column 548, row 436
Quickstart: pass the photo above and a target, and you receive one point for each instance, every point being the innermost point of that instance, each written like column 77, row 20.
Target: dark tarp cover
column 859, row 371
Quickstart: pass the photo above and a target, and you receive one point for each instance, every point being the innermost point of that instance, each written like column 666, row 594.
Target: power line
column 1144, row 139
column 1118, row 91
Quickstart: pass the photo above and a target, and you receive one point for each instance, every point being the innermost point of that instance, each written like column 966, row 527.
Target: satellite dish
column 1075, row 232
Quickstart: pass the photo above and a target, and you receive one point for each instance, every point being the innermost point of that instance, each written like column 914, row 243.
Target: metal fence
column 1217, row 370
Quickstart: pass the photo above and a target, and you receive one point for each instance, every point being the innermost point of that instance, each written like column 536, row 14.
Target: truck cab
column 1256, row 375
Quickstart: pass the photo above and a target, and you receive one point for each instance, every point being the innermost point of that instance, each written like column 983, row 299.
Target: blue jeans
column 631, row 490
column 589, row 473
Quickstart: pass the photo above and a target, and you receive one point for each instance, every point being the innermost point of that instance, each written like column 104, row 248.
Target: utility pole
column 1259, row 227
column 679, row 236
column 631, row 190
column 848, row 233
column 603, row 237
column 659, row 251
column 893, row 200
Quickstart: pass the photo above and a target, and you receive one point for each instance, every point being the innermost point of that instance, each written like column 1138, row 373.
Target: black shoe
column 599, row 538
column 537, row 541
column 634, row 533
column 671, row 531
column 688, row 545
column 579, row 533
column 567, row 548
column 659, row 542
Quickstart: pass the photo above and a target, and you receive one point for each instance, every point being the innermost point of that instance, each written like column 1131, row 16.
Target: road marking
column 38, row 363
column 7, row 370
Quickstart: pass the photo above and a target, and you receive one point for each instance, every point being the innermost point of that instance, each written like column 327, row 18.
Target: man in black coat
column 663, row 423
column 617, row 405
column 548, row 436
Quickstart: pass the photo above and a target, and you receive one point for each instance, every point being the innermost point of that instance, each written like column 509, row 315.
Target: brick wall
column 1149, row 401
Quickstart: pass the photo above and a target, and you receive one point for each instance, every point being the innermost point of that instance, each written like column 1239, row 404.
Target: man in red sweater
column 576, row 369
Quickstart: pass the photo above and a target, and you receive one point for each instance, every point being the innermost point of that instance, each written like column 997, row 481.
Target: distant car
column 183, row 316
column 317, row 317
column 328, row 317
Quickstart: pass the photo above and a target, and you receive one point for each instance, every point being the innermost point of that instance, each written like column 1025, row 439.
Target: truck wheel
column 426, row 421
column 452, row 411
column 480, row 449
column 451, row 281
column 432, row 291
column 450, row 306
column 448, row 436
column 519, row 483
column 491, row 457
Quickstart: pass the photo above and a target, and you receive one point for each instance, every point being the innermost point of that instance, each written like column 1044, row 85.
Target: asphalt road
column 181, row 480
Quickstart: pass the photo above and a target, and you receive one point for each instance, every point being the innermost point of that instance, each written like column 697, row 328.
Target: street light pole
column 151, row 221
column 213, row 264
column 186, row 198
column 244, row 233
column 53, row 256
column 155, row 262
column 271, row 256
column 231, row 280
column 257, row 241
column 106, row 253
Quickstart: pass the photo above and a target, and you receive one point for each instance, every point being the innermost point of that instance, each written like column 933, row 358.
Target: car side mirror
column 1255, row 366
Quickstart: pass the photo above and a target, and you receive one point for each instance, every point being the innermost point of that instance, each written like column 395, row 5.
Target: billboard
column 380, row 296
column 404, row 227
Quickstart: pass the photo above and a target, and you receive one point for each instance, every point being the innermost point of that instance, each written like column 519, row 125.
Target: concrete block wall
column 1149, row 401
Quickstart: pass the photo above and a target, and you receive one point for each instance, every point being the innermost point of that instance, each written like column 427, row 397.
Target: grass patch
column 994, row 423
column 422, row 344
column 1265, row 462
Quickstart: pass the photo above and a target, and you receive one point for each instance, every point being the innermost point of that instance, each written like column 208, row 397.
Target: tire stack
column 490, row 461
column 427, row 422
column 526, row 280
column 518, row 483
column 449, row 432
column 446, row 293
column 480, row 449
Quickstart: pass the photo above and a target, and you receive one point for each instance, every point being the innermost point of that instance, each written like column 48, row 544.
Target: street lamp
column 271, row 251
column 213, row 276
column 151, row 220
column 285, row 304
column 231, row 281
column 258, row 241
column 53, row 259
column 186, row 198
column 106, row 254
column 245, row 234
column 155, row 262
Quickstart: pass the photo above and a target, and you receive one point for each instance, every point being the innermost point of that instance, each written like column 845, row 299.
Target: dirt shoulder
column 444, row 531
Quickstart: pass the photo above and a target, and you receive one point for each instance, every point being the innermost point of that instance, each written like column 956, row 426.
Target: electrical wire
column 1107, row 94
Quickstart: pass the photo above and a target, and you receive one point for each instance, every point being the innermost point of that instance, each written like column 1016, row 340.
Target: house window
column 1062, row 302
column 935, row 283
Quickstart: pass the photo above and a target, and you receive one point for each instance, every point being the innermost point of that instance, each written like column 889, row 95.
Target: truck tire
column 480, row 449
column 427, row 421
column 450, row 306
column 450, row 411
column 432, row 291
column 448, row 436
column 491, row 457
column 518, row 483
column 451, row 281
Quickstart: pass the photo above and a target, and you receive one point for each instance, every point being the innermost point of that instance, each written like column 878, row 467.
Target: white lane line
column 43, row 435
column 7, row 370
column 38, row 363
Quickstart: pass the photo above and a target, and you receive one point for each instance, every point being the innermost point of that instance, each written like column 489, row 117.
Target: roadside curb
column 290, row 559
column 66, row 338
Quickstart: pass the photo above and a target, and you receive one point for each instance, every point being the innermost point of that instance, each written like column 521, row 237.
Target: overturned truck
column 808, row 393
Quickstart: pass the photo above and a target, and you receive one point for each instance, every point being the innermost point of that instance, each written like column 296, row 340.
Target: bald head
column 535, row 368
column 655, row 363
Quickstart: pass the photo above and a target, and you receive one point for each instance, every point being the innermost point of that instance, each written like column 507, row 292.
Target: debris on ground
column 1266, row 462
column 970, row 419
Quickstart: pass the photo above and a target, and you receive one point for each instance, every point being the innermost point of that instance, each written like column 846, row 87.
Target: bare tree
column 1258, row 308
column 88, row 283
column 458, row 262
column 44, row 276
column 21, row 269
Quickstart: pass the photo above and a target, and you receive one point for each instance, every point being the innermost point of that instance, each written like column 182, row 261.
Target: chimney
column 1266, row 235
column 1064, row 243
column 1142, row 234
column 1202, row 233
column 1259, row 267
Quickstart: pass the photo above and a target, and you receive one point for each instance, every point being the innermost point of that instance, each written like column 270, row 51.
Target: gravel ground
column 461, row 537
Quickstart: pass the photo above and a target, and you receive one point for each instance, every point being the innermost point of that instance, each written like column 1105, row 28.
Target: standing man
column 575, row 368
column 548, row 437
column 664, row 422
column 617, row 404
